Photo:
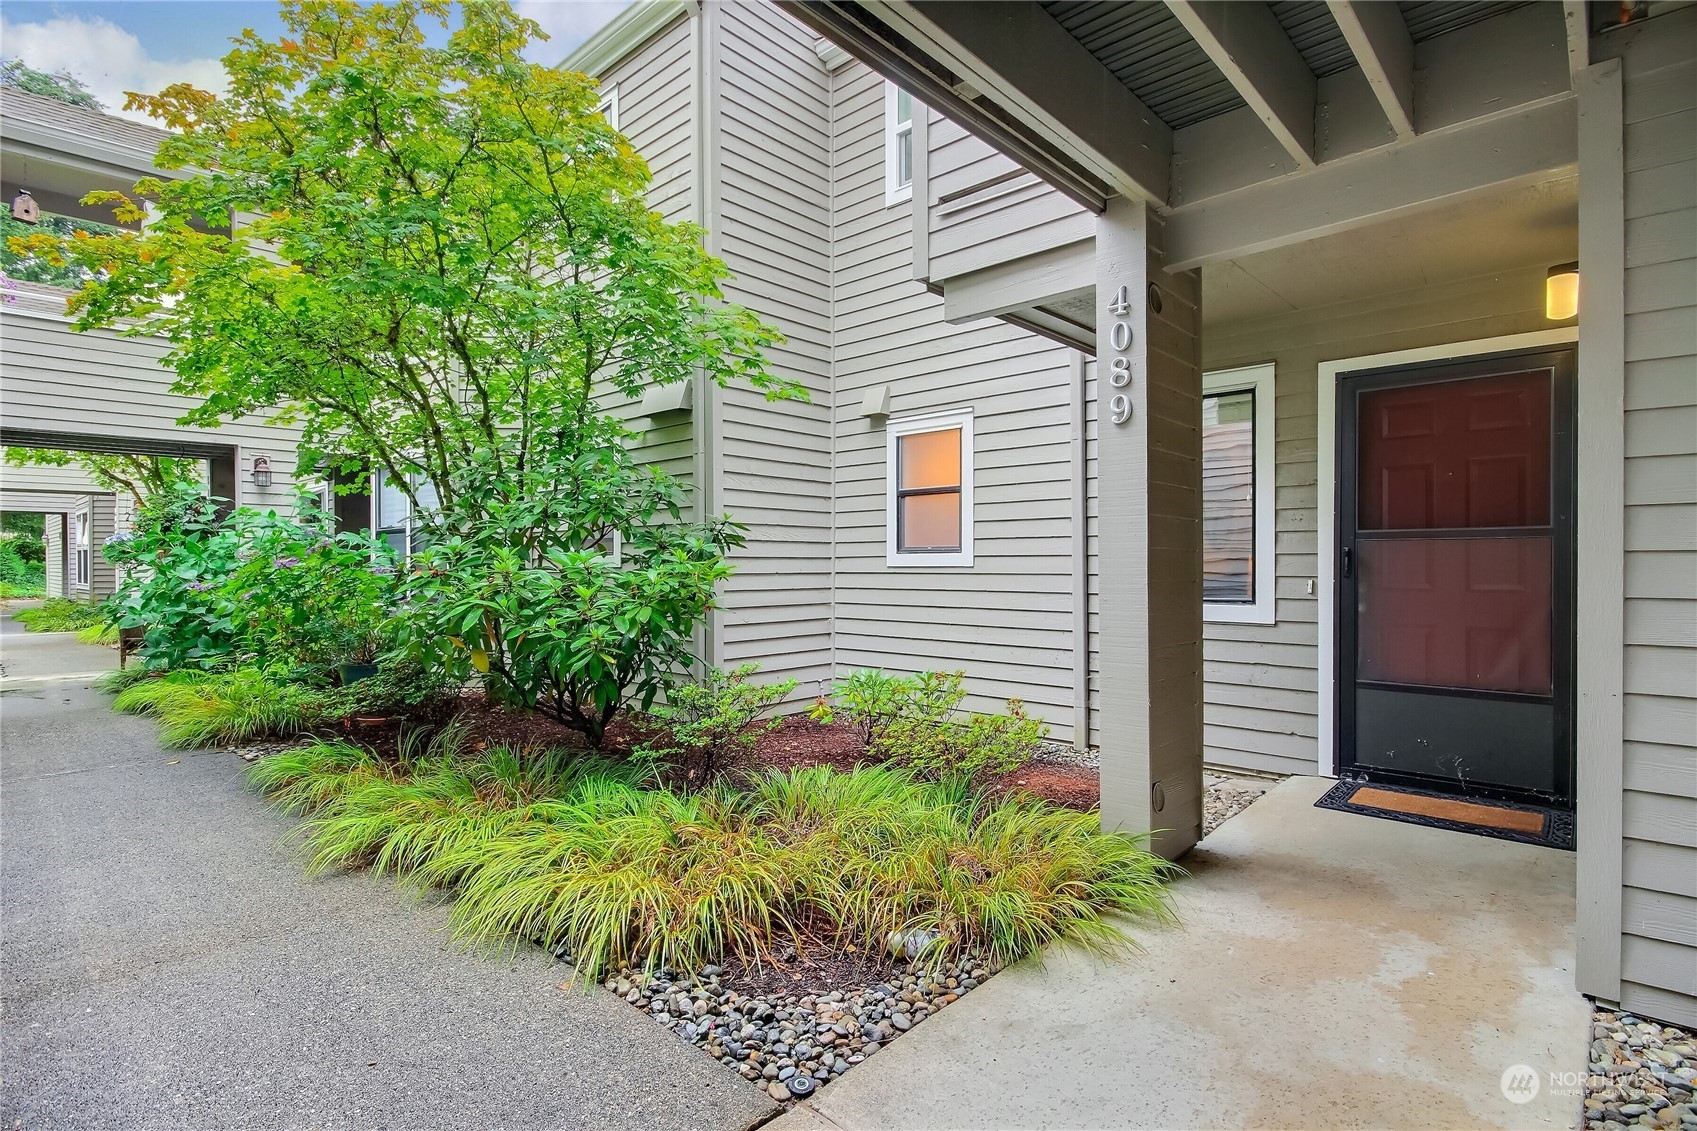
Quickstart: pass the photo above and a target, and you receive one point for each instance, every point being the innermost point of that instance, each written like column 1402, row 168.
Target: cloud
column 567, row 22
column 108, row 59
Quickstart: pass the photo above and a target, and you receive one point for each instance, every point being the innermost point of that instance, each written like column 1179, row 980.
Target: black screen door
column 1455, row 576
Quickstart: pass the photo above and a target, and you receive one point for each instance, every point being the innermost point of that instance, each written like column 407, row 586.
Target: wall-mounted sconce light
column 25, row 209
column 1561, row 292
column 261, row 471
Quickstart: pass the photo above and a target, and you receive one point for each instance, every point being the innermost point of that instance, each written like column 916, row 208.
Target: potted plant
column 363, row 647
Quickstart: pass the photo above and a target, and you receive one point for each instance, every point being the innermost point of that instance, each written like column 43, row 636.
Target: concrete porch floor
column 1332, row 970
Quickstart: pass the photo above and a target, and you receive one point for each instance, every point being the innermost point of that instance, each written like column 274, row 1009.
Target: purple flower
column 198, row 586
column 289, row 562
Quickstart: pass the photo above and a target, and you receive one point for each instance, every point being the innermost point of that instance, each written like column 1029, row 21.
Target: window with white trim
column 397, row 523
column 608, row 107
column 898, row 144
column 1238, row 504
column 928, row 507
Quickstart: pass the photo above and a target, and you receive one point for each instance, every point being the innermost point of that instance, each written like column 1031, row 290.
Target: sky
column 145, row 45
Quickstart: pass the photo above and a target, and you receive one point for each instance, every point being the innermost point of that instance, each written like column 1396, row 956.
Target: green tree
column 440, row 253
column 25, row 260
column 61, row 86
column 140, row 475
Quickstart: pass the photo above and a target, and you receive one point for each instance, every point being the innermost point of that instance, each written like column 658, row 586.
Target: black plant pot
column 352, row 673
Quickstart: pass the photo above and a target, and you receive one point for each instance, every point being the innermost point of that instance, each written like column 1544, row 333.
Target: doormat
column 1528, row 824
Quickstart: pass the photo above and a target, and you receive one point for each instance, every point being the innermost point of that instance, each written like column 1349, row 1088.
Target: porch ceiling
column 1503, row 230
column 1248, row 124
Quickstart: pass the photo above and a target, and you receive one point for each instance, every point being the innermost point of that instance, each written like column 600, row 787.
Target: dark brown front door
column 1455, row 575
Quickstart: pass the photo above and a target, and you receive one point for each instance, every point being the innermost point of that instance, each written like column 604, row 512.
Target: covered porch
column 1372, row 192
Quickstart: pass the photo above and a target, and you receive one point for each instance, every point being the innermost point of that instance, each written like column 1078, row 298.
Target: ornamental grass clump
column 209, row 708
column 62, row 614
column 582, row 854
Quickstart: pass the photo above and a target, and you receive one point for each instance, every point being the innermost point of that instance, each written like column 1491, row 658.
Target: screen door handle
column 1348, row 560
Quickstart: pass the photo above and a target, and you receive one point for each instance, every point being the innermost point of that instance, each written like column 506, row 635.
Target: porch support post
column 1599, row 623
column 1150, row 487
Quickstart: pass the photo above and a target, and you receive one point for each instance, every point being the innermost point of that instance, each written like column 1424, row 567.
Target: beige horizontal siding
column 1659, row 755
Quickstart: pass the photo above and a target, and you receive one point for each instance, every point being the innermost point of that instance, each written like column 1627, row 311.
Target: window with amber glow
column 930, row 498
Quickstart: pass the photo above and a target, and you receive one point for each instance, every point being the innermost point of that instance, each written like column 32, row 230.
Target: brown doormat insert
column 1529, row 824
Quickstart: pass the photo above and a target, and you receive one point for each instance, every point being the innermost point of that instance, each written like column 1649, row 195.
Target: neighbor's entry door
column 1455, row 575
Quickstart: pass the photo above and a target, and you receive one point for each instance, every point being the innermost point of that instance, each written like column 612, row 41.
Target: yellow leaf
column 480, row 659
column 458, row 643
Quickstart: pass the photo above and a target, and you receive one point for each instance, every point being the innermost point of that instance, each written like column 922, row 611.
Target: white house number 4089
column 1119, row 365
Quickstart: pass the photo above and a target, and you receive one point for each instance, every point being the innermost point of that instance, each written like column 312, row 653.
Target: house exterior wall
column 794, row 203
column 1007, row 620
column 981, row 209
column 770, row 145
column 56, row 379
column 656, row 101
column 102, row 579
column 1657, row 865
column 53, row 536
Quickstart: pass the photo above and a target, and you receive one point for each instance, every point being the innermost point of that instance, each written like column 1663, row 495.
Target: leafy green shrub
column 402, row 686
column 20, row 573
column 516, row 586
column 306, row 598
column 916, row 721
column 867, row 700
column 211, row 589
column 176, row 559
column 62, row 614
column 211, row 708
column 963, row 742
column 577, row 852
column 713, row 721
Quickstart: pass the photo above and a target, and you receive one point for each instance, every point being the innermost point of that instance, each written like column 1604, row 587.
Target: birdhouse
column 25, row 208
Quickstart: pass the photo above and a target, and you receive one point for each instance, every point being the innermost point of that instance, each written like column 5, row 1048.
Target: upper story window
column 1238, row 505
column 608, row 107
column 929, row 497
column 898, row 144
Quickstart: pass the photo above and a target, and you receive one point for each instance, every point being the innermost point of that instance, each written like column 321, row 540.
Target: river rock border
column 1642, row 1075
column 793, row 1043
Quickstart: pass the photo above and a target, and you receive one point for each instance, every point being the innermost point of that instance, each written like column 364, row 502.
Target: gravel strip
column 792, row 1043
column 1226, row 798
column 1642, row 1074
column 1056, row 754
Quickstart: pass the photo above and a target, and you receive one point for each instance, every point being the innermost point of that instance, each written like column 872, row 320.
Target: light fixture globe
column 1561, row 292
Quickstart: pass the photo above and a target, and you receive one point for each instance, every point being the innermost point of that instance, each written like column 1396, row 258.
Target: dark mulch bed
column 797, row 741
column 1076, row 787
column 814, row 969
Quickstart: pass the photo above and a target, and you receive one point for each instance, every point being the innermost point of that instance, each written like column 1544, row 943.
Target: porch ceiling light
column 1561, row 292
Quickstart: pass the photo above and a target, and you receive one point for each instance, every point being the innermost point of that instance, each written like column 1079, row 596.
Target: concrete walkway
column 166, row 964
column 1333, row 970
